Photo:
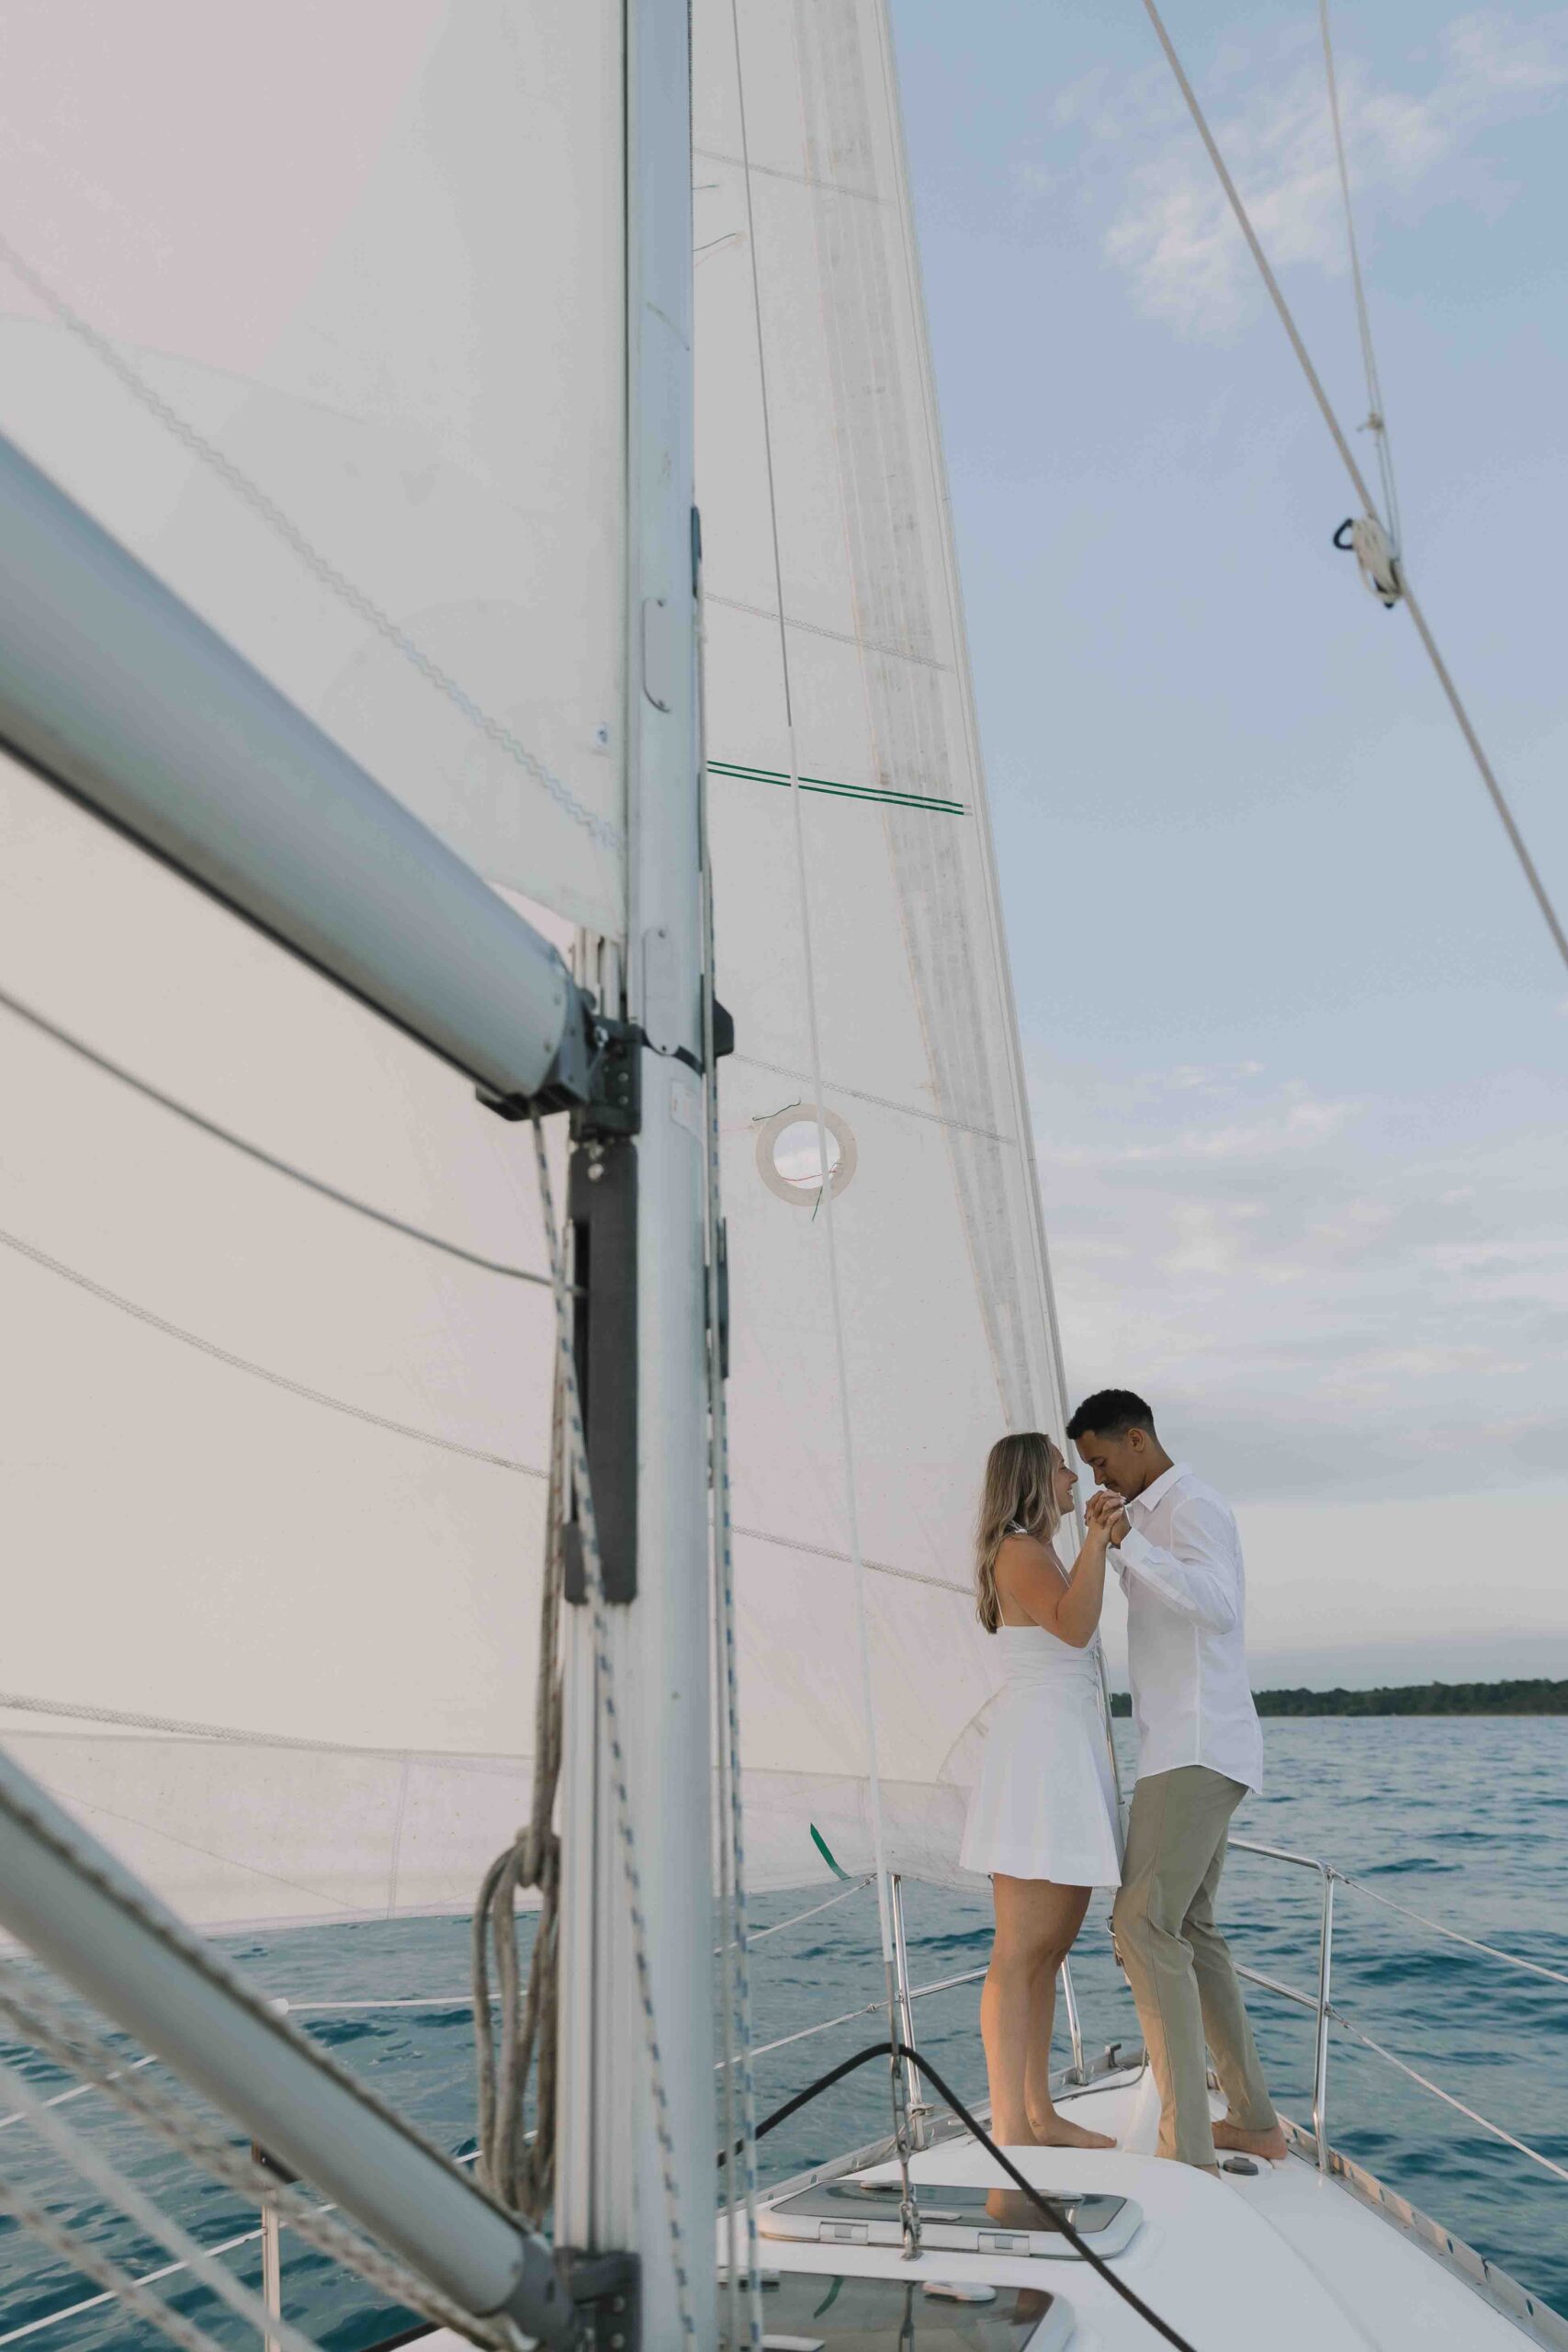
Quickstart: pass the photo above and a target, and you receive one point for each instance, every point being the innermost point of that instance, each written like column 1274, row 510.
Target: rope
column 1505, row 814
column 64, row 2312
column 77, row 2249
column 204, row 1125
column 259, row 1372
column 267, row 510
column 841, row 1360
column 576, row 1454
column 96, row 2168
column 1376, row 423
column 516, row 2167
column 45, row 2022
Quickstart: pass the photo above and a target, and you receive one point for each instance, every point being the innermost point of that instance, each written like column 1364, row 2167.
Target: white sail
column 271, row 1473
column 942, row 1275
column 344, row 364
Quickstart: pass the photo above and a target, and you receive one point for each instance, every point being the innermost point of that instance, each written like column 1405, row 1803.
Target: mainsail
column 273, row 1472
column 817, row 440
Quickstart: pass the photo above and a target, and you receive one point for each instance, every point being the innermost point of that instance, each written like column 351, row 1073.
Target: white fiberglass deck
column 1284, row 2257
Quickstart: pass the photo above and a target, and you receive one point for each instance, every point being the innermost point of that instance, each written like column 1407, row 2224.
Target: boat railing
column 1320, row 2002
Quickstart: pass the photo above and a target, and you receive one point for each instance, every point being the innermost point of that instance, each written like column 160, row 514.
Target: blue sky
column 1295, row 1034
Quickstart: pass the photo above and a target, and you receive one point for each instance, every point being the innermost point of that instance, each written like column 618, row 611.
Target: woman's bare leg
column 1036, row 1922
column 1062, row 1916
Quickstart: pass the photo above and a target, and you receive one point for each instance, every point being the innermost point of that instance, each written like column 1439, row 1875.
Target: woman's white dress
column 1045, row 1805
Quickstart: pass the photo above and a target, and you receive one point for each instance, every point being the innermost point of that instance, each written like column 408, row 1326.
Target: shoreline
column 1511, row 1699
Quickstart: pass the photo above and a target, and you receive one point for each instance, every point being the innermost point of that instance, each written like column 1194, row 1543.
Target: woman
column 1043, row 1817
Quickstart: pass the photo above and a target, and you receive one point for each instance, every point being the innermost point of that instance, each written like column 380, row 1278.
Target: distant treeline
column 1409, row 1699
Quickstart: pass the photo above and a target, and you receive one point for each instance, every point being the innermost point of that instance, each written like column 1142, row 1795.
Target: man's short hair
column 1111, row 1412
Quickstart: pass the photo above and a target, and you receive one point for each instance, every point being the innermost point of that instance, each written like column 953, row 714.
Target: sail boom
column 113, row 689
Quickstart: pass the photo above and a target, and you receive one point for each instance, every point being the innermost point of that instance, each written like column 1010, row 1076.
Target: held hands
column 1106, row 1515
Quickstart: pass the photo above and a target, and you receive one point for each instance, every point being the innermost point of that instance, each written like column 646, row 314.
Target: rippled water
column 1464, row 1820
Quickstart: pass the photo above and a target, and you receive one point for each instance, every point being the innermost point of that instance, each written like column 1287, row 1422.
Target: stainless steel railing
column 1322, row 2003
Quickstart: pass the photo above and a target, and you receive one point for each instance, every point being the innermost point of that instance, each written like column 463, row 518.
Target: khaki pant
column 1178, row 1963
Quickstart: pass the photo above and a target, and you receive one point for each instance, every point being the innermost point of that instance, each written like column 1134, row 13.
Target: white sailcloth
column 272, row 1474
column 944, row 1293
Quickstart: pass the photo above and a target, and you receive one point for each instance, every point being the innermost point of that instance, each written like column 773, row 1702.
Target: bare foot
column 1055, row 2131
column 1271, row 2146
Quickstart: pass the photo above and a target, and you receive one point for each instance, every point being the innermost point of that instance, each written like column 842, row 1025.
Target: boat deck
column 1282, row 2257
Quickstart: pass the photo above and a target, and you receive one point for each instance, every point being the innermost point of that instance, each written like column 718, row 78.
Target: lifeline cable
column 1052, row 2211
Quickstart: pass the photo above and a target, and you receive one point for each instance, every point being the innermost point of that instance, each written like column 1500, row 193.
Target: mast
column 619, row 2157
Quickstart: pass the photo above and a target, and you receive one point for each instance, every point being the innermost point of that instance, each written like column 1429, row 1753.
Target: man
column 1175, row 1546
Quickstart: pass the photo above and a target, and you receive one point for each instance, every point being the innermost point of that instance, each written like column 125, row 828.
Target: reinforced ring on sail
column 789, row 1154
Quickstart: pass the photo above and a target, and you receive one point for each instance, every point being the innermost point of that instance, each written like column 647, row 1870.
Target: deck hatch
column 834, row 2313
column 968, row 2218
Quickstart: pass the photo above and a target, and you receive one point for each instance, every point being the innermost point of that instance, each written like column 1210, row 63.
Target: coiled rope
column 517, row 2167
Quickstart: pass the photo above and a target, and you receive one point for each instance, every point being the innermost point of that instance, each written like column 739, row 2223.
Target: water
column 1464, row 1820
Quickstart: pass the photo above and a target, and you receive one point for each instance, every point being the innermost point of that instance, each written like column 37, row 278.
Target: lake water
column 1466, row 1821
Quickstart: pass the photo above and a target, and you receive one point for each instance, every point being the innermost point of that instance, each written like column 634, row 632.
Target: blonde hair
column 1020, row 1491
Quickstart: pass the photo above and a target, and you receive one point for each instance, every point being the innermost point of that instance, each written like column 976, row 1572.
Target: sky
column 1295, row 1034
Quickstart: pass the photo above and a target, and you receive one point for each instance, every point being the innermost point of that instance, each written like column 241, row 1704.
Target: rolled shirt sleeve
column 1199, row 1576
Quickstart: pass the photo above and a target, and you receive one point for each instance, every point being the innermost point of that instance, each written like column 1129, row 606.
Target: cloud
column 1328, row 1297
column 1173, row 233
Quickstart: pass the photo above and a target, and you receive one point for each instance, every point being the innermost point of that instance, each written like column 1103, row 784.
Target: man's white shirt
column 1181, row 1570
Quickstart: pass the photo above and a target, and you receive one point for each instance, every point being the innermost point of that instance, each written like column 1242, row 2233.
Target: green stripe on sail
column 822, row 1846
column 840, row 791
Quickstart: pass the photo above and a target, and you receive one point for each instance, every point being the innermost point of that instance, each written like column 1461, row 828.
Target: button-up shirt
column 1182, row 1571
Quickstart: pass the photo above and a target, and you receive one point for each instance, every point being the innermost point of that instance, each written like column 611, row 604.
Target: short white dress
column 1045, row 1805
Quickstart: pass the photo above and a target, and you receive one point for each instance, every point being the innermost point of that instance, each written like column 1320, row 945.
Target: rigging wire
column 257, row 1371
column 826, row 1173
column 320, row 567
column 1377, row 415
column 204, row 1125
column 1407, row 597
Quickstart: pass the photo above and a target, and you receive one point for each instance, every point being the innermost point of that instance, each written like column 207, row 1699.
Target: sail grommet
column 789, row 1153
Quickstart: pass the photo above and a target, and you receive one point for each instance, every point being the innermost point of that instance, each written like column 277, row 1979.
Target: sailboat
column 521, row 1217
